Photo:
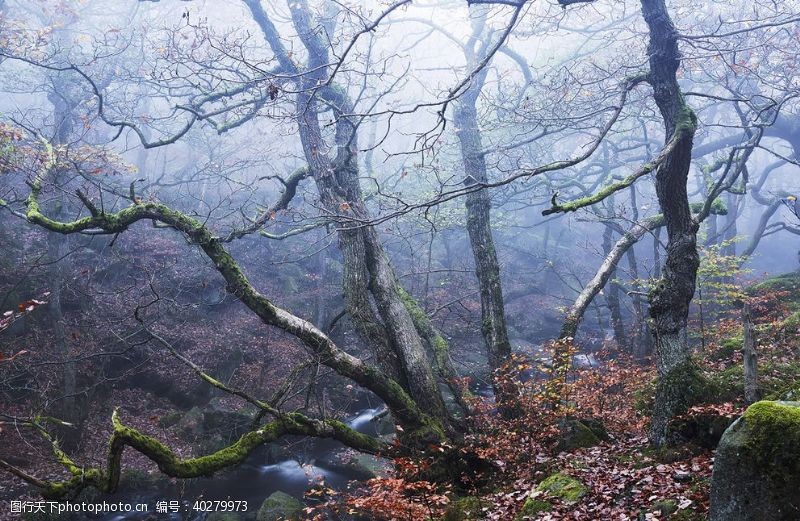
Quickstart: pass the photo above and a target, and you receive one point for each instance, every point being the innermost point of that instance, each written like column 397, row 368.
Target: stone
column 562, row 486
column 532, row 507
column 578, row 434
column 463, row 509
column 757, row 466
column 280, row 506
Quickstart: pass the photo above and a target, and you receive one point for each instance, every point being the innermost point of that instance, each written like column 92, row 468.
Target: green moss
column 728, row 347
column 685, row 386
column 463, row 509
column 665, row 507
column 718, row 207
column 774, row 436
column 576, row 434
column 729, row 383
column 563, row 487
column 279, row 506
column 779, row 379
column 791, row 324
column 532, row 508
column 788, row 283
column 687, row 121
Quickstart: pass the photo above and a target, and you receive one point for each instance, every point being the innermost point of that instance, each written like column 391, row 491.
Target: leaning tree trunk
column 592, row 288
column 612, row 297
column 669, row 300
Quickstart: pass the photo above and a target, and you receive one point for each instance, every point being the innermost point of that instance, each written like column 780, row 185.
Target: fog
column 290, row 204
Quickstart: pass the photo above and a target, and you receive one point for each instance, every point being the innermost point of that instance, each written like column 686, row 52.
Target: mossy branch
column 403, row 407
column 107, row 480
column 611, row 189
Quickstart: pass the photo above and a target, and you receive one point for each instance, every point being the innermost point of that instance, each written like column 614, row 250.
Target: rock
column 681, row 476
column 354, row 465
column 757, row 466
column 704, row 430
column 585, row 361
column 578, row 434
column 280, row 506
column 665, row 507
column 562, row 486
column 463, row 509
column 533, row 507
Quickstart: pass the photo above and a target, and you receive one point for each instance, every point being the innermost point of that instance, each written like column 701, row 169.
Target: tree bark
column 750, row 357
column 479, row 226
column 612, row 297
column 337, row 180
column 669, row 300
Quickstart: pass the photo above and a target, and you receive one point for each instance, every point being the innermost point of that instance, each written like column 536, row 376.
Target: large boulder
column 757, row 466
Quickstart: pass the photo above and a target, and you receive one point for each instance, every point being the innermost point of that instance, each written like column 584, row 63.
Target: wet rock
column 757, row 466
column 354, row 465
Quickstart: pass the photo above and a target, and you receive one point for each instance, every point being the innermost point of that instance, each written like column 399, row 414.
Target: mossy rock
column 463, row 509
column 280, row 506
column 757, row 466
column 564, row 487
column 532, row 508
column 665, row 507
column 577, row 434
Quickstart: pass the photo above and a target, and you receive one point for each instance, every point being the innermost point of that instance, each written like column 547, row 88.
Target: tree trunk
column 750, row 357
column 67, row 408
column 612, row 297
column 479, row 227
column 669, row 300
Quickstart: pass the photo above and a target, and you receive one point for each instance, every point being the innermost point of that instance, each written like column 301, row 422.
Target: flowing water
column 310, row 461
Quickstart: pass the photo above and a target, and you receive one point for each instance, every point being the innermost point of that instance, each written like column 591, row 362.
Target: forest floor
column 590, row 460
column 612, row 472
